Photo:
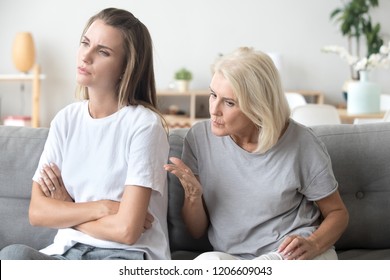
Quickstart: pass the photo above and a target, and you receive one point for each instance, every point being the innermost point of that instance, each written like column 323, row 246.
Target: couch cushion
column 20, row 149
column 179, row 237
column 361, row 162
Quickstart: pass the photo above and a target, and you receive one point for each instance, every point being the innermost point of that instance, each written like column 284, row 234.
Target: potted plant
column 355, row 23
column 183, row 77
column 362, row 95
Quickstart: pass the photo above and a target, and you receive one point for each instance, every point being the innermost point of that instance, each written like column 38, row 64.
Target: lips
column 83, row 70
column 217, row 122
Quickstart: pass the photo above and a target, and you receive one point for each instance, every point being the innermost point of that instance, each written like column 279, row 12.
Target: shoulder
column 199, row 132
column 142, row 121
column 200, row 137
column 75, row 106
column 301, row 132
column 304, row 140
column 200, row 129
column 69, row 113
column 142, row 115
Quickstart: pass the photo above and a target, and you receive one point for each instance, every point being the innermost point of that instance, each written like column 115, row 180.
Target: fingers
column 178, row 162
column 46, row 183
column 177, row 165
column 44, row 187
column 188, row 180
column 148, row 221
column 293, row 248
column 285, row 243
column 50, row 179
column 178, row 168
column 57, row 173
column 149, row 217
column 54, row 168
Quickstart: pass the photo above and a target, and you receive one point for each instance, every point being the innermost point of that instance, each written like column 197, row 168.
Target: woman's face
column 100, row 57
column 226, row 115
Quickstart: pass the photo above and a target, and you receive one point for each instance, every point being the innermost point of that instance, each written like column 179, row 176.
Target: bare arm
column 334, row 224
column 194, row 210
column 105, row 219
column 52, row 206
column 54, row 213
column 127, row 225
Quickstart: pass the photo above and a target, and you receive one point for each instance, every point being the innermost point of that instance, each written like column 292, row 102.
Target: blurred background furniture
column 316, row 114
column 191, row 106
column 295, row 99
column 347, row 118
column 35, row 78
column 385, row 118
column 385, row 102
column 311, row 96
column 383, row 115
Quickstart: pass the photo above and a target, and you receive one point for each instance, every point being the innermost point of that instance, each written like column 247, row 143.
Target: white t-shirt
column 98, row 157
column 255, row 200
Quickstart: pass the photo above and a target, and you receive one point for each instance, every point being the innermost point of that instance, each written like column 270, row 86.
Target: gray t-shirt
column 255, row 200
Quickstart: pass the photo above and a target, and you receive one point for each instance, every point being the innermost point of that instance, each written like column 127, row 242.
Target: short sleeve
column 147, row 154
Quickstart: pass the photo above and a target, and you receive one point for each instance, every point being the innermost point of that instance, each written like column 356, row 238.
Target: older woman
column 260, row 184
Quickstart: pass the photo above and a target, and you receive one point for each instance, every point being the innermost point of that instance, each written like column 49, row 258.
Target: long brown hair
column 137, row 84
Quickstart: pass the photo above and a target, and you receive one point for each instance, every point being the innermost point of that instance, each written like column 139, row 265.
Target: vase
column 182, row 85
column 345, row 87
column 23, row 51
column 363, row 96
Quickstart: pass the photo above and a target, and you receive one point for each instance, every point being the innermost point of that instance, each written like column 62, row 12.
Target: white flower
column 376, row 60
column 385, row 49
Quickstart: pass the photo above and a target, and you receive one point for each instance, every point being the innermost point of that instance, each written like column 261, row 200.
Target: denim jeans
column 77, row 252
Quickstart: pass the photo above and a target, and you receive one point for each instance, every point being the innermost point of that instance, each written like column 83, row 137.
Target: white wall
column 185, row 33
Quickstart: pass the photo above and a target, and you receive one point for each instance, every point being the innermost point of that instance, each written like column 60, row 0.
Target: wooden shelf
column 19, row 77
column 347, row 118
column 190, row 118
column 35, row 78
column 311, row 96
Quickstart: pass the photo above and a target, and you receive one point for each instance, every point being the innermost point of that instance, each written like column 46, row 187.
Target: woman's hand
column 296, row 247
column 191, row 185
column 148, row 221
column 335, row 221
column 51, row 183
column 194, row 210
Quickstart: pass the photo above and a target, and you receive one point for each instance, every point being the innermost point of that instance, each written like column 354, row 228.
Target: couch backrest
column 20, row 149
column 179, row 238
column 361, row 162
column 360, row 157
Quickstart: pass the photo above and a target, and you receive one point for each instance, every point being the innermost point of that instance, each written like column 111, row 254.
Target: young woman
column 100, row 179
column 260, row 184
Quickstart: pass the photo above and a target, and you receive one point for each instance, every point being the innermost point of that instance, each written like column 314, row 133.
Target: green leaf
column 183, row 74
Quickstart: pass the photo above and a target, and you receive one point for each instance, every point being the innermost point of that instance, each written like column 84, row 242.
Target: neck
column 102, row 105
column 249, row 140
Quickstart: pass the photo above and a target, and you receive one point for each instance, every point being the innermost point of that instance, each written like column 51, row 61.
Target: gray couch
column 361, row 162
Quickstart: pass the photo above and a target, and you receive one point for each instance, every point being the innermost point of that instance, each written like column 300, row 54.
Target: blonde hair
column 257, row 86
